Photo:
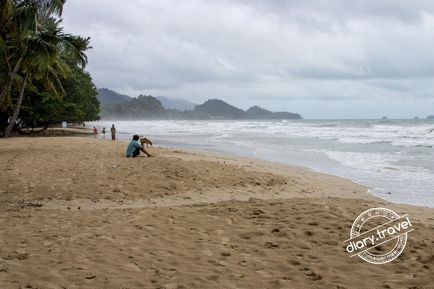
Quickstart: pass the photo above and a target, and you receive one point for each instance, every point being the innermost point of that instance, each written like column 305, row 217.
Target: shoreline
column 75, row 213
column 357, row 190
column 271, row 165
column 370, row 153
column 279, row 166
column 361, row 192
column 227, row 156
column 235, row 159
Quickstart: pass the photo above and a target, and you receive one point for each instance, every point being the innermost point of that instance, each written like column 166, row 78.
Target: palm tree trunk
column 8, row 87
column 17, row 108
column 3, row 93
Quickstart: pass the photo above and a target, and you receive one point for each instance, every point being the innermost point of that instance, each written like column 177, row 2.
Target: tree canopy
column 41, row 67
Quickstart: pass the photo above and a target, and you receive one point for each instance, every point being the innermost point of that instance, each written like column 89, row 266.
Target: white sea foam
column 413, row 134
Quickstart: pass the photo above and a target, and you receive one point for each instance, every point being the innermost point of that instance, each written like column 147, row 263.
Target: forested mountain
column 216, row 108
column 107, row 96
column 175, row 103
column 149, row 107
column 141, row 107
column 256, row 112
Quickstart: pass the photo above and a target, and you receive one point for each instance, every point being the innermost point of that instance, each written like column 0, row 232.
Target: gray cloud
column 281, row 54
column 344, row 11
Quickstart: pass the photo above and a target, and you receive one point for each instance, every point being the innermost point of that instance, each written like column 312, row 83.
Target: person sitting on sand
column 134, row 148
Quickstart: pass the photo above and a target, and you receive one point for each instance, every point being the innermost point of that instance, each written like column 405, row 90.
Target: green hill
column 256, row 112
column 107, row 96
column 216, row 108
column 141, row 107
column 118, row 106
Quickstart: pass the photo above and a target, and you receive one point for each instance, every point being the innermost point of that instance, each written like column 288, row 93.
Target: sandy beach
column 75, row 213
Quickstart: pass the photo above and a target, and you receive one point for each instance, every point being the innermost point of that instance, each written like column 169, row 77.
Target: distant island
column 430, row 117
column 119, row 106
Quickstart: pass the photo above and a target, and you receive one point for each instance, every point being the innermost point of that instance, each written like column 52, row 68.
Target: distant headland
column 120, row 106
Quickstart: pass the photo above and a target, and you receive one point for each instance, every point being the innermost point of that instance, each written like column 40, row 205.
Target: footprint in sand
column 225, row 254
column 243, row 263
column 133, row 267
column 264, row 273
column 271, row 245
column 249, row 235
column 294, row 262
column 104, row 237
column 310, row 274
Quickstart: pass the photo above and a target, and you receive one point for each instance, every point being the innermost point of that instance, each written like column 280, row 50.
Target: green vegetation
column 42, row 75
column 119, row 106
column 141, row 107
column 256, row 112
column 107, row 96
column 216, row 108
column 78, row 104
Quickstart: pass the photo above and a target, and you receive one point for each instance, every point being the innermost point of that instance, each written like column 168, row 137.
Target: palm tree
column 6, row 12
column 40, row 50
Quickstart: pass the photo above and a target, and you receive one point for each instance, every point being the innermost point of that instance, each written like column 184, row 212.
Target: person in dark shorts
column 113, row 132
column 134, row 148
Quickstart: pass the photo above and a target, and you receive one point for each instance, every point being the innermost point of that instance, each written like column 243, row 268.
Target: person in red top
column 95, row 131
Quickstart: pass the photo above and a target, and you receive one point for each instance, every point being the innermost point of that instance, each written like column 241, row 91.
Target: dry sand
column 74, row 213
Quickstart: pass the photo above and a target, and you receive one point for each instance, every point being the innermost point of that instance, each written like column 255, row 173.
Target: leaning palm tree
column 18, row 20
column 6, row 13
column 42, row 51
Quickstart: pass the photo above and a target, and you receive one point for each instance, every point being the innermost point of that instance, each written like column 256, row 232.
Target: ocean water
column 395, row 158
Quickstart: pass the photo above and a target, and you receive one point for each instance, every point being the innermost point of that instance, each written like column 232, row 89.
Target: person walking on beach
column 134, row 148
column 95, row 131
column 113, row 132
column 103, row 132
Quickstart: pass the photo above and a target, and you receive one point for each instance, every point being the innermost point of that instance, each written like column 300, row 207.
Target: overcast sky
column 322, row 59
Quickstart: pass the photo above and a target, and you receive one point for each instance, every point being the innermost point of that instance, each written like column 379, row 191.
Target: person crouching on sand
column 134, row 148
